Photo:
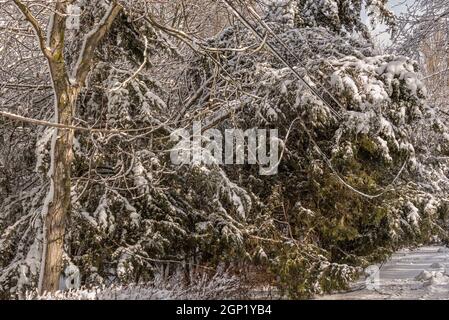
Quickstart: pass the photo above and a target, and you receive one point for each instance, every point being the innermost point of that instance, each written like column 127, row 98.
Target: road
column 421, row 274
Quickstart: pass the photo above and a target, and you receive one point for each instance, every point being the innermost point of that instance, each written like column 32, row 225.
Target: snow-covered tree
column 422, row 35
column 350, row 184
column 344, row 195
column 128, row 214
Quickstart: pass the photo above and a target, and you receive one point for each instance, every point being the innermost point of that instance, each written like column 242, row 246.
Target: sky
column 398, row 7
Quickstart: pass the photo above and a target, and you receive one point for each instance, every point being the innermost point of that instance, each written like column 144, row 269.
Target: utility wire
column 278, row 55
column 289, row 50
column 325, row 158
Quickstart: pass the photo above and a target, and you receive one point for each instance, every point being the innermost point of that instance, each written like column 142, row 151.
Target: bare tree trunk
column 66, row 93
column 59, row 208
column 57, row 205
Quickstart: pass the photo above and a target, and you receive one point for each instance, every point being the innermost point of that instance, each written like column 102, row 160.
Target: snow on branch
column 135, row 74
column 91, row 42
column 35, row 24
column 76, row 128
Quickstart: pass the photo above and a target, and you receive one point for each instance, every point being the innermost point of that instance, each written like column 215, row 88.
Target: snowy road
column 421, row 273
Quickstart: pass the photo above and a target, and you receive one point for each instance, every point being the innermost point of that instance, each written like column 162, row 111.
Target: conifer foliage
column 352, row 183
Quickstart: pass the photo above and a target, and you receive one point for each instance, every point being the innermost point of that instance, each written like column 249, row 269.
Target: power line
column 289, row 50
column 278, row 55
column 325, row 158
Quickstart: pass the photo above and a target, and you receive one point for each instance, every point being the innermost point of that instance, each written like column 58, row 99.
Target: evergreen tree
column 350, row 187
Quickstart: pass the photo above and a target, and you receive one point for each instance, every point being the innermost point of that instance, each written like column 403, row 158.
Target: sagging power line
column 275, row 52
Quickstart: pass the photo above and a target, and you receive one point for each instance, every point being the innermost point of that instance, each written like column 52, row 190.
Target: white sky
column 398, row 7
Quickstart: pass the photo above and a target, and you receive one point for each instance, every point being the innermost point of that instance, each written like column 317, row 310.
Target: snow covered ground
column 421, row 273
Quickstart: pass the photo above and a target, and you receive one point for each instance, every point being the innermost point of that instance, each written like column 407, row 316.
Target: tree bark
column 57, row 205
column 60, row 175
column 58, row 202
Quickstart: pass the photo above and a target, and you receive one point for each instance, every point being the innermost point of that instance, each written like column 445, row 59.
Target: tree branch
column 18, row 118
column 91, row 42
column 57, row 33
column 35, row 24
